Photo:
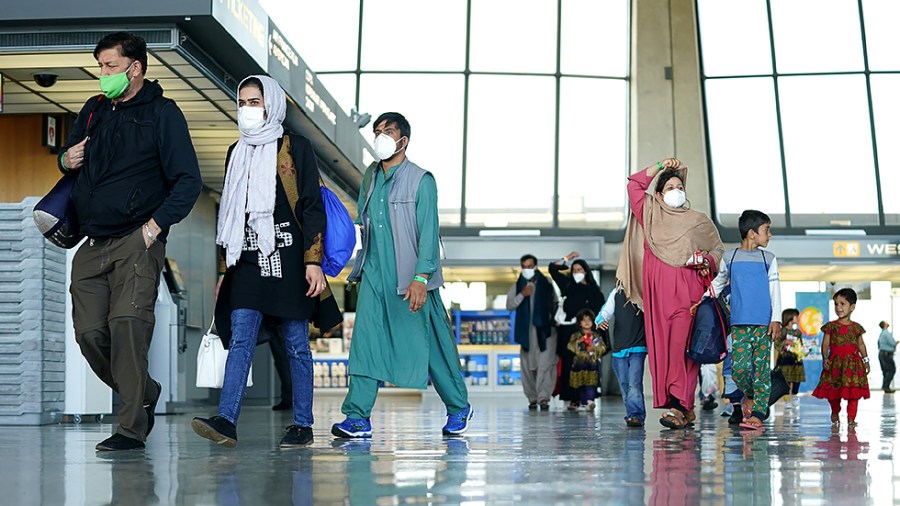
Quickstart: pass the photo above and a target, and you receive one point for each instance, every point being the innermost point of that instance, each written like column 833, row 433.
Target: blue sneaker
column 352, row 428
column 459, row 423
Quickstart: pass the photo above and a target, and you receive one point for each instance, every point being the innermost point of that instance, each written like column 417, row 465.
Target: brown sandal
column 672, row 419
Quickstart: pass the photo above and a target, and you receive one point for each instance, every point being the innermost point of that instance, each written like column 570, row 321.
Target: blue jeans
column 245, row 325
column 630, row 373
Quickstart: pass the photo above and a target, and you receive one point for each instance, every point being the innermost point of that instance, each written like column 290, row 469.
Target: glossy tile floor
column 509, row 456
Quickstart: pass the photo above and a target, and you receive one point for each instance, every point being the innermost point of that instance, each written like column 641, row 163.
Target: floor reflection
column 511, row 455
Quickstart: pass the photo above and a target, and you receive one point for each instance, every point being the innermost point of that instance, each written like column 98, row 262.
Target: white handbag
column 211, row 358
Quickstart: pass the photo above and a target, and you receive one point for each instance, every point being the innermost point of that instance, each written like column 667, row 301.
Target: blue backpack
column 709, row 329
column 340, row 234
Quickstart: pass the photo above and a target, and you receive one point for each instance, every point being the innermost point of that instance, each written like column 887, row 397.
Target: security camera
column 45, row 79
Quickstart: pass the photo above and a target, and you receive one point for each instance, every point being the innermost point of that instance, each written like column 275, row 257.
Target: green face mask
column 114, row 85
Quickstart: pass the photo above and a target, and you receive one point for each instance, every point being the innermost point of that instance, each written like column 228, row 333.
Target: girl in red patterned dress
column 845, row 370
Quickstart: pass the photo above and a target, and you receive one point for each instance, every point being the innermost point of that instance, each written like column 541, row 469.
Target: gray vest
column 404, row 227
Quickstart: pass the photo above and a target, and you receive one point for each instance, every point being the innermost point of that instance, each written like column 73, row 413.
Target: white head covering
column 250, row 179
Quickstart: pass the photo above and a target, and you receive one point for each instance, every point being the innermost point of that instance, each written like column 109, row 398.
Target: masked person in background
column 402, row 332
column 137, row 176
column 533, row 299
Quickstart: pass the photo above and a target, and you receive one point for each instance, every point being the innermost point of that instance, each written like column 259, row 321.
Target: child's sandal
column 752, row 423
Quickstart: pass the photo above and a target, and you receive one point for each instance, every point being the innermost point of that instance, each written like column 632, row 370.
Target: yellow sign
column 846, row 249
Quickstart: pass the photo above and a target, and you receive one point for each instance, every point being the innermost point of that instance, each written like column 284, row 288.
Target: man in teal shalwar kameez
column 402, row 333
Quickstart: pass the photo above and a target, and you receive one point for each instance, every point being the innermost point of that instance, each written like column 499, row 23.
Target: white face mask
column 527, row 273
column 578, row 277
column 674, row 198
column 251, row 119
column 385, row 146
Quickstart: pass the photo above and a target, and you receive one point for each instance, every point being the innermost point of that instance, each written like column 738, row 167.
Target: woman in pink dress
column 660, row 272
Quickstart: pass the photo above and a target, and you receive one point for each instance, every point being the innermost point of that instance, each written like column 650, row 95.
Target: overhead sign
column 836, row 248
column 288, row 68
column 248, row 23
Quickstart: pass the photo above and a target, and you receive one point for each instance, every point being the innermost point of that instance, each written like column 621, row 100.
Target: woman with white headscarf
column 270, row 229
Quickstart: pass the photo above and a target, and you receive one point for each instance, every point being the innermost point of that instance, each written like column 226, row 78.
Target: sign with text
column 830, row 248
column 248, row 23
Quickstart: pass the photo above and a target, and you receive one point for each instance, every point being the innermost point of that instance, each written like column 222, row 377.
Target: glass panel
column 593, row 153
column 513, row 36
column 595, row 37
column 741, row 113
column 886, row 104
column 828, row 150
column 816, row 36
column 328, row 39
column 436, row 127
column 414, row 35
column 342, row 87
column 510, row 157
column 881, row 38
column 724, row 52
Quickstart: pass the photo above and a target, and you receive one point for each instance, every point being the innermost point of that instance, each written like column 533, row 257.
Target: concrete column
column 667, row 113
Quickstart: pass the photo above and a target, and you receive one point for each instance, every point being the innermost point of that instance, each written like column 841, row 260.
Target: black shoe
column 887, row 391
column 283, row 406
column 151, row 408
column 737, row 416
column 296, row 436
column 532, row 406
column 710, row 404
column 118, row 442
column 545, row 405
column 216, row 429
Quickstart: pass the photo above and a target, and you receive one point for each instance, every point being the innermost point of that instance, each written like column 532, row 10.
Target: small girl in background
column 588, row 347
column 846, row 363
column 789, row 354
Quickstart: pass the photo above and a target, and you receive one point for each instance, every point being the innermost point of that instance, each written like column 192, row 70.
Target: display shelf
column 489, row 368
column 330, row 375
column 509, row 370
column 484, row 327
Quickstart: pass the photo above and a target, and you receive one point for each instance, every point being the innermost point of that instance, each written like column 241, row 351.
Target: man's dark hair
column 529, row 256
column 883, row 324
column 253, row 81
column 129, row 45
column 752, row 220
column 847, row 293
column 394, row 118
column 665, row 177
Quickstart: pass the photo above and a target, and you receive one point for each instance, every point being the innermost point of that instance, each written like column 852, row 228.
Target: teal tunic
column 390, row 343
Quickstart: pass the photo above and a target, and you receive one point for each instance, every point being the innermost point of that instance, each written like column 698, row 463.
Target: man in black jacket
column 137, row 176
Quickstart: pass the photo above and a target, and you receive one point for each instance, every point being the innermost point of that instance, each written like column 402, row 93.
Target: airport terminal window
column 749, row 178
column 513, row 36
column 592, row 35
column 432, row 37
column 592, row 152
column 817, row 120
column 510, row 142
column 342, row 87
column 490, row 87
column 436, row 118
column 325, row 33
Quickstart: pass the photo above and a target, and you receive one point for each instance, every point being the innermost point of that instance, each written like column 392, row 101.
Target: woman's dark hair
column 394, row 118
column 787, row 315
column 665, row 177
column 847, row 293
column 587, row 271
column 883, row 324
column 253, row 81
column 129, row 45
column 584, row 312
